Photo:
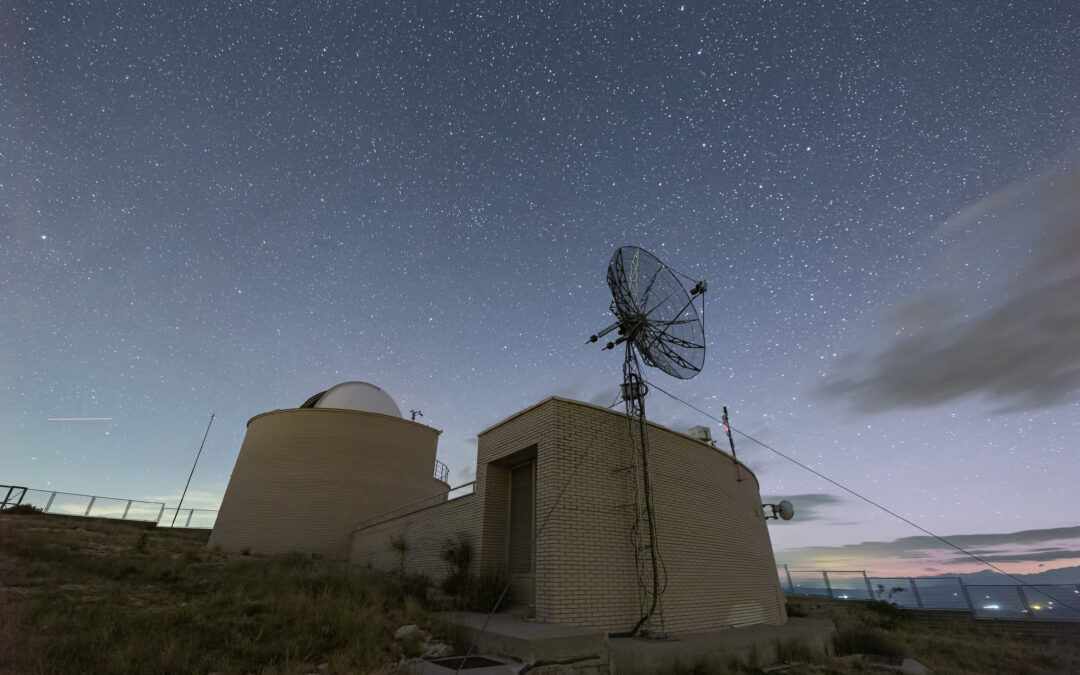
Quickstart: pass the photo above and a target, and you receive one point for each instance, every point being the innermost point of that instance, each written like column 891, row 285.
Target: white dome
column 360, row 396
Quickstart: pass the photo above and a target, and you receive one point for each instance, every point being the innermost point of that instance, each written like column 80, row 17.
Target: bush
column 862, row 639
column 458, row 557
column 415, row 586
column 480, row 593
column 23, row 510
column 889, row 613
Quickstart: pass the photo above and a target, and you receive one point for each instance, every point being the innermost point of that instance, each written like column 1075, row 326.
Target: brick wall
column 712, row 535
column 425, row 533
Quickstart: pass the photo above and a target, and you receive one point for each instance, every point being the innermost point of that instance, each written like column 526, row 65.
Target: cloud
column 1023, row 350
column 1023, row 556
column 919, row 553
column 810, row 506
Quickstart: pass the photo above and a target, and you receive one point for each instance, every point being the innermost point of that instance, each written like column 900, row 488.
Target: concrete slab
column 756, row 646
column 535, row 644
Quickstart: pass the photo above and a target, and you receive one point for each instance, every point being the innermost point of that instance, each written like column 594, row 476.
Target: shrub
column 398, row 543
column 23, row 510
column 416, row 586
column 486, row 592
column 863, row 639
column 888, row 612
column 458, row 556
column 795, row 610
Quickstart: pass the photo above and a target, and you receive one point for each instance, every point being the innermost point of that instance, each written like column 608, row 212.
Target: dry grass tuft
column 96, row 596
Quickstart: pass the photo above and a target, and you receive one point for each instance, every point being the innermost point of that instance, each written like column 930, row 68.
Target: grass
column 96, row 596
column 888, row 634
column 82, row 595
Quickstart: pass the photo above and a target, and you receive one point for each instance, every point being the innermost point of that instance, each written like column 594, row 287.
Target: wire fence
column 1040, row 602
column 96, row 506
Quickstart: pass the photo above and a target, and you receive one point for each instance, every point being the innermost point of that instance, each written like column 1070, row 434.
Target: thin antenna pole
column 197, row 455
column 731, row 441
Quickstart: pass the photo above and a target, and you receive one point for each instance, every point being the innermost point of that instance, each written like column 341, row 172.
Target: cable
column 869, row 501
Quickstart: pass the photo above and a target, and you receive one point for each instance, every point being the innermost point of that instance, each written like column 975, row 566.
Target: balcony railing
column 442, row 472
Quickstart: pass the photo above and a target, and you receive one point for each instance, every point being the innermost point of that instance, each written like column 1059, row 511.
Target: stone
column 437, row 650
column 913, row 667
column 407, row 631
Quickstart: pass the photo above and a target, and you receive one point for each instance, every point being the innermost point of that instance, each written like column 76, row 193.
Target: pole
column 731, row 442
column 192, row 471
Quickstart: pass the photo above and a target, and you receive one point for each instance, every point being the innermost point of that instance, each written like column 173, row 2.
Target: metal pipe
column 197, row 455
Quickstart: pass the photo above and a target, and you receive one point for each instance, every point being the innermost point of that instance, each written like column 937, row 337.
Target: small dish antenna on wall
column 784, row 510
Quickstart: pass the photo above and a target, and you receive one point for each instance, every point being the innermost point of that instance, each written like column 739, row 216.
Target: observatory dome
column 361, row 396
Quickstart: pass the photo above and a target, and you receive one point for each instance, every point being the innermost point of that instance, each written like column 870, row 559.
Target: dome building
column 306, row 476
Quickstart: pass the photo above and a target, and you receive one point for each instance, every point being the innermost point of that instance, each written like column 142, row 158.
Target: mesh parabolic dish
column 651, row 303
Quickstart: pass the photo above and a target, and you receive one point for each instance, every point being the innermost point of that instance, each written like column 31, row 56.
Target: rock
column 407, row 631
column 913, row 667
column 437, row 650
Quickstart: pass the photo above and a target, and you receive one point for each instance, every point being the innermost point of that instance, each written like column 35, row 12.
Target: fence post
column 1024, row 602
column 160, row 513
column 790, row 585
column 967, row 598
column 190, row 513
column 915, row 592
column 7, row 497
column 828, row 588
column 124, row 517
column 869, row 590
column 21, row 496
column 49, row 503
column 90, row 506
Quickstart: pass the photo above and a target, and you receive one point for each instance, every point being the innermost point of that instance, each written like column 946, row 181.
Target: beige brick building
column 554, row 505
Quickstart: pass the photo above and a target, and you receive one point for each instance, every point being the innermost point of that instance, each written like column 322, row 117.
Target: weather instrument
column 657, row 323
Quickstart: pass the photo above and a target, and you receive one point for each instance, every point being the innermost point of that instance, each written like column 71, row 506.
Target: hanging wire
column 869, row 501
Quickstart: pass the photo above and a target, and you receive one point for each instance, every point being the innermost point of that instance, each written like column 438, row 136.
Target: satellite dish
column 786, row 510
column 655, row 314
column 656, row 320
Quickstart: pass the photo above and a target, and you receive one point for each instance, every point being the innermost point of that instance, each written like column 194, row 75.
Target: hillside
column 83, row 595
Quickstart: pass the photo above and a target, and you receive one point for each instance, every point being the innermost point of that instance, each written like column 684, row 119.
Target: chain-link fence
column 1047, row 602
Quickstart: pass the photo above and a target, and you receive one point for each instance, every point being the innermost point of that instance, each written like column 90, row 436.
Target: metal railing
column 463, row 490
column 95, row 506
column 442, row 472
column 1044, row 602
column 199, row 519
column 76, row 504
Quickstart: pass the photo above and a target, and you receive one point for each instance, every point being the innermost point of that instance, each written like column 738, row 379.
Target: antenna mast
column 199, row 454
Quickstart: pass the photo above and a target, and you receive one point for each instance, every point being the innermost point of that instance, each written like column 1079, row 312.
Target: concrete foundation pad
column 755, row 646
column 553, row 648
column 532, row 643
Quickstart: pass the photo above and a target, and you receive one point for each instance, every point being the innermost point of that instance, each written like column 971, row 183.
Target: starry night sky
column 231, row 206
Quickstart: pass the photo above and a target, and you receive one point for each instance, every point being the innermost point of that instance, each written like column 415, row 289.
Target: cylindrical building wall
column 305, row 478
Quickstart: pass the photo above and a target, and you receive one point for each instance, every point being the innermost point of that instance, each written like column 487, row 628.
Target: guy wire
column 871, row 502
